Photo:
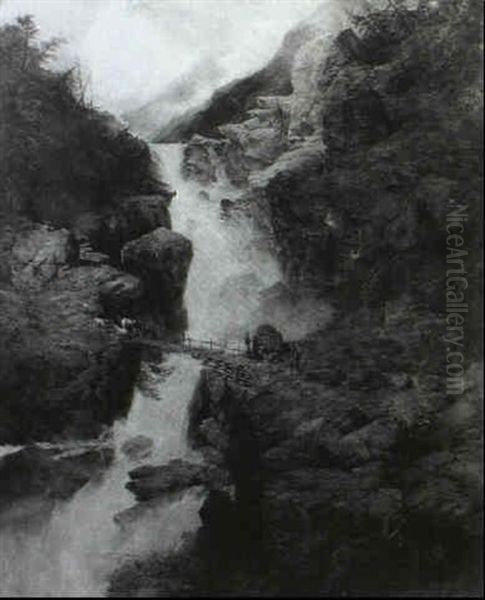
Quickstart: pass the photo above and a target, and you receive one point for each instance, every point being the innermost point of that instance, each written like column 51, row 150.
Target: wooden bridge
column 191, row 345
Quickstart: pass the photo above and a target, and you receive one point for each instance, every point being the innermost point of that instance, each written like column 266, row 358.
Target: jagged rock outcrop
column 109, row 230
column 38, row 254
column 161, row 259
column 148, row 482
column 230, row 103
column 199, row 161
column 350, row 471
column 64, row 370
column 121, row 295
column 138, row 447
column 335, row 182
column 68, row 365
column 360, row 474
column 50, row 473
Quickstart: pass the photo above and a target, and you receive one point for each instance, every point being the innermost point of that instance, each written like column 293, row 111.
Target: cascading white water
column 73, row 552
column 228, row 270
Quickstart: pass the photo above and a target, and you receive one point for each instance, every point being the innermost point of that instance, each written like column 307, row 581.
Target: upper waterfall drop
column 228, row 269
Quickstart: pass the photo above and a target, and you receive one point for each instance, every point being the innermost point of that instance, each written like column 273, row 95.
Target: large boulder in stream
column 138, row 447
column 148, row 482
column 161, row 259
column 55, row 471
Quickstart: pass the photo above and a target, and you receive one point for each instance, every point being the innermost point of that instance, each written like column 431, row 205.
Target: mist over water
column 130, row 51
column 231, row 270
column 228, row 270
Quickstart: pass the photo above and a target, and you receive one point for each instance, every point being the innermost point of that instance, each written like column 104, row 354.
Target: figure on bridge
column 295, row 358
column 248, row 342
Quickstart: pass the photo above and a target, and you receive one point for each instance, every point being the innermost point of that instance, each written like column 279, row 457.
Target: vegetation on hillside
column 59, row 155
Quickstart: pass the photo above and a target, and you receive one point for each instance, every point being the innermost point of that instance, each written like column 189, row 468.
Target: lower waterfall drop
column 74, row 550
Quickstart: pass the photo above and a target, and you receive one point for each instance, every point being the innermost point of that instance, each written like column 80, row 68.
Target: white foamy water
column 8, row 449
column 228, row 269
column 70, row 548
column 73, row 551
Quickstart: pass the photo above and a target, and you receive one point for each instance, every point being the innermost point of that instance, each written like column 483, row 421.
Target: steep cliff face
column 76, row 189
column 66, row 362
column 355, row 483
column 355, row 476
column 230, row 104
column 351, row 174
column 358, row 474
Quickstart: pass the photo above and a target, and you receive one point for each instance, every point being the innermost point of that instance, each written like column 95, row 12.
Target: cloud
column 131, row 50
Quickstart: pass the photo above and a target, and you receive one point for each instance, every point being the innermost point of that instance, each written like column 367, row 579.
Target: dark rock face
column 161, row 260
column 198, row 161
column 360, row 475
column 39, row 253
column 230, row 104
column 148, row 482
column 121, row 296
column 69, row 370
column 350, row 473
column 59, row 367
column 50, row 473
column 129, row 219
column 267, row 341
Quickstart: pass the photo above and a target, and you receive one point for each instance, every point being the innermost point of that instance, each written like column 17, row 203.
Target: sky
column 131, row 50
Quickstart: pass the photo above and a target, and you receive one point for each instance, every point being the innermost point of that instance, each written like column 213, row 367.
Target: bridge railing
column 236, row 348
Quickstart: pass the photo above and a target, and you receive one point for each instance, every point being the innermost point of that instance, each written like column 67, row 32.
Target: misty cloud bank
column 130, row 51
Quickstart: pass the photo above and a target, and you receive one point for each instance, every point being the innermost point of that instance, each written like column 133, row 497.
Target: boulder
column 38, row 255
column 267, row 341
column 147, row 482
column 161, row 259
column 54, row 472
column 261, row 138
column 129, row 219
column 138, row 447
column 199, row 161
column 133, row 217
column 120, row 295
column 351, row 46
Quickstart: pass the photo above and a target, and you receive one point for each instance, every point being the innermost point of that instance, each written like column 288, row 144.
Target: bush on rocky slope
column 75, row 187
column 58, row 154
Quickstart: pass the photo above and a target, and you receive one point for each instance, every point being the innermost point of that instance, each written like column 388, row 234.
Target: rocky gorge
column 64, row 227
column 350, row 471
column 359, row 474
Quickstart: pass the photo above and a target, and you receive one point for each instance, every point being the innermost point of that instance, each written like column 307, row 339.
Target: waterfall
column 72, row 547
column 73, row 552
column 228, row 270
column 231, row 270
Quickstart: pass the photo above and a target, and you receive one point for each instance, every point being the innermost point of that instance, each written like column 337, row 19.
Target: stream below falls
column 72, row 547
column 75, row 548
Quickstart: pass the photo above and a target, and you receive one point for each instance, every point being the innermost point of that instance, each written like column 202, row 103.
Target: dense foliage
column 58, row 154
